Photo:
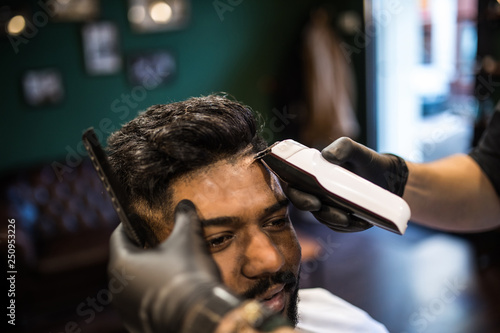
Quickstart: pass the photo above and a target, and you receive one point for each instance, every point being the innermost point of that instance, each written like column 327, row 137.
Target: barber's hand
column 174, row 287
column 385, row 170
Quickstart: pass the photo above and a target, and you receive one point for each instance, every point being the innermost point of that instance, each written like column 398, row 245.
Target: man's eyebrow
column 232, row 220
column 277, row 206
column 220, row 221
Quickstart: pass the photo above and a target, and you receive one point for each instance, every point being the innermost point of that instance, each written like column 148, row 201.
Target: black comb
column 113, row 187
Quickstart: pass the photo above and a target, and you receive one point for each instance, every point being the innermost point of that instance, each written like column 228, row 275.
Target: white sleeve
column 322, row 312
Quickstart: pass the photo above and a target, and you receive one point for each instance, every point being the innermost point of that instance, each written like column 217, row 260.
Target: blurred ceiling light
column 16, row 25
column 136, row 14
column 160, row 12
column 147, row 16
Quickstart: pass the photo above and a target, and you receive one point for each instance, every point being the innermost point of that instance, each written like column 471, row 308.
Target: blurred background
column 418, row 78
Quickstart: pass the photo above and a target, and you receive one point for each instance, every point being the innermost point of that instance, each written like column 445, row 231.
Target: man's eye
column 219, row 242
column 278, row 224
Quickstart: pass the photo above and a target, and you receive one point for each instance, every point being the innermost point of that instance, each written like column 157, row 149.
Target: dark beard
column 292, row 310
column 291, row 283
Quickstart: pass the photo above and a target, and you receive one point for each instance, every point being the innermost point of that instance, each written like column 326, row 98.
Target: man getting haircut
column 203, row 150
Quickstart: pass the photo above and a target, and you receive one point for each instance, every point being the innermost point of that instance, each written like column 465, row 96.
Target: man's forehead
column 243, row 184
column 223, row 172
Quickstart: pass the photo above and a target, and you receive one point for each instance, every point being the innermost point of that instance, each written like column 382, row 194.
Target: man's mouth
column 274, row 298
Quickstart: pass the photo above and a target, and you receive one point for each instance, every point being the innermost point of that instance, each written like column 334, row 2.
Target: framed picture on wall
column 101, row 51
column 75, row 10
column 151, row 69
column 42, row 87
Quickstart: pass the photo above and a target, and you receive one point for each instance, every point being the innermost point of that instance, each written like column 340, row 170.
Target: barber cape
column 322, row 312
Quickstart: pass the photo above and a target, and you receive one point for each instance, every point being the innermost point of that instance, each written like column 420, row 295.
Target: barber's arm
column 451, row 194
column 176, row 286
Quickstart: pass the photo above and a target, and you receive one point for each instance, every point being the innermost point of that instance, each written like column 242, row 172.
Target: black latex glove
column 385, row 170
column 174, row 287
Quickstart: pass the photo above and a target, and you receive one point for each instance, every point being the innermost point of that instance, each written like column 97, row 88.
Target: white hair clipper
column 306, row 170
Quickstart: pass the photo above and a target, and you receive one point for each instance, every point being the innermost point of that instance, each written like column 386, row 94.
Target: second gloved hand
column 174, row 287
column 385, row 170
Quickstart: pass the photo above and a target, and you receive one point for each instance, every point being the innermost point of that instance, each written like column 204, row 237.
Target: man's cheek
column 228, row 272
column 290, row 247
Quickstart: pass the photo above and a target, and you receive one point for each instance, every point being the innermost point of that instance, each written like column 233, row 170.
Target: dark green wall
column 238, row 55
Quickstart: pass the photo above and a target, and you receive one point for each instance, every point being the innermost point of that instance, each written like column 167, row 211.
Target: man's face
column 246, row 225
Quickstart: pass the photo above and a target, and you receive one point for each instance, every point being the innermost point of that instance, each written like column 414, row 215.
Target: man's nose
column 262, row 257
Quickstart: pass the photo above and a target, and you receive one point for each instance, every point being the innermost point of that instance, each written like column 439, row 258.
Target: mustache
column 287, row 278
